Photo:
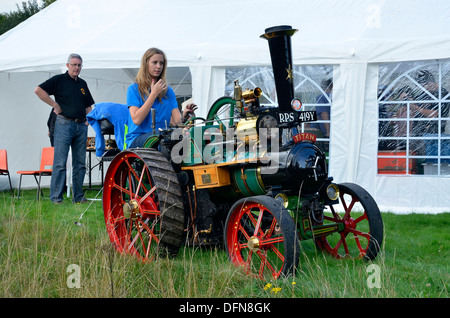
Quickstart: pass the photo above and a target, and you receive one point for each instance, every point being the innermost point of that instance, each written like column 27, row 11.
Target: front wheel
column 260, row 235
column 360, row 219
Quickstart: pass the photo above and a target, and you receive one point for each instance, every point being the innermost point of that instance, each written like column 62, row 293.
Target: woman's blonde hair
column 143, row 78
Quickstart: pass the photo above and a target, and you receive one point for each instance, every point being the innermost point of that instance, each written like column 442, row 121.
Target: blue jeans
column 68, row 134
column 139, row 141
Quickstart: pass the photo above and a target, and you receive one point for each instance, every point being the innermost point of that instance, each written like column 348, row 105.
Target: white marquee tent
column 201, row 39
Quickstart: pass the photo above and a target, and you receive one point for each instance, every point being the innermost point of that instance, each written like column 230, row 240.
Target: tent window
column 179, row 78
column 313, row 84
column 414, row 119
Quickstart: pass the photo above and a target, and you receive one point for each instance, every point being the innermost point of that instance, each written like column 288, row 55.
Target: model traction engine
column 230, row 180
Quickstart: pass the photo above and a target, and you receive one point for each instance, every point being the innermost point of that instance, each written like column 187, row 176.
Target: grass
column 40, row 246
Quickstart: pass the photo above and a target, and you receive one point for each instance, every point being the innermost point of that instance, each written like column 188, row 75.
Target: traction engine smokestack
column 279, row 38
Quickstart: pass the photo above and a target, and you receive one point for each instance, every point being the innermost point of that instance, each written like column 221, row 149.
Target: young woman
column 150, row 90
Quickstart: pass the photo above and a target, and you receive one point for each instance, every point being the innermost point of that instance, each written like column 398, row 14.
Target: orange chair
column 45, row 169
column 4, row 166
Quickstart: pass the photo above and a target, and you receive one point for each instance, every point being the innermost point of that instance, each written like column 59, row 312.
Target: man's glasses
column 76, row 65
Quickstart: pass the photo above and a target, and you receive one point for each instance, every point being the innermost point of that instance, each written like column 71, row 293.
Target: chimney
column 279, row 38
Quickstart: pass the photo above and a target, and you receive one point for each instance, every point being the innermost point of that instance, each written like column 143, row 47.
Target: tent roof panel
column 115, row 33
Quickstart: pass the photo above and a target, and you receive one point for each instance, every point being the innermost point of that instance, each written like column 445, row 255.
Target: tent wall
column 207, row 37
column 354, row 146
column 23, row 131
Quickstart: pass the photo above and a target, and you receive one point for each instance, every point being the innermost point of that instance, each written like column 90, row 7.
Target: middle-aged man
column 72, row 101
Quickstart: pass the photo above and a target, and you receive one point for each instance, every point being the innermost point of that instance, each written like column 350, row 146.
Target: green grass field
column 42, row 251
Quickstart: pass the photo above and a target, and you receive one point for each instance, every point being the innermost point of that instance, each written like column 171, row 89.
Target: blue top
column 117, row 114
column 163, row 112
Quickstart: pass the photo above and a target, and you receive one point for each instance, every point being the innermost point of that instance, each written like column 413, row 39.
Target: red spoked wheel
column 360, row 218
column 261, row 236
column 142, row 204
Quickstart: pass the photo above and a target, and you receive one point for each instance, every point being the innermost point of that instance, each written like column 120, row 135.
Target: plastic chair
column 4, row 166
column 45, row 169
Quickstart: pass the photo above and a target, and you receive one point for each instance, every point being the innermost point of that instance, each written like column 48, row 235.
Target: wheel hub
column 350, row 223
column 131, row 209
column 253, row 243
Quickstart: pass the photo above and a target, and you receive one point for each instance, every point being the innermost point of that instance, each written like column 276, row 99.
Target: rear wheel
column 260, row 235
column 143, row 205
column 362, row 233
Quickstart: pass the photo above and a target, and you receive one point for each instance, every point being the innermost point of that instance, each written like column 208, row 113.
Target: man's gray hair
column 74, row 56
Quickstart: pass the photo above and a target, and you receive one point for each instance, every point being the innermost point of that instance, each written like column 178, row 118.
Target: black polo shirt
column 72, row 95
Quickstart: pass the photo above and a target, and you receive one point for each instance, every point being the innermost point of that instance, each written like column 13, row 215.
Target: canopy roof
column 115, row 33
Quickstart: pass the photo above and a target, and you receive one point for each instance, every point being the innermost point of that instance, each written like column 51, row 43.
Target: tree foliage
column 14, row 18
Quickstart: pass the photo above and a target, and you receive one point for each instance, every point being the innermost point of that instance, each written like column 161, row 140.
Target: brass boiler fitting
column 208, row 231
column 250, row 94
column 246, row 129
column 238, row 95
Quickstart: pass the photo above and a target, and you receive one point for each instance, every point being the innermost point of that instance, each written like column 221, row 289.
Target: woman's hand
column 189, row 111
column 158, row 87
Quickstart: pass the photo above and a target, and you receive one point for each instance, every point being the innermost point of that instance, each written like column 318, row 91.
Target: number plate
column 297, row 117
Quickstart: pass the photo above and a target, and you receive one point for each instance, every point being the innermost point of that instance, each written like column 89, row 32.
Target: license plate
column 297, row 117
